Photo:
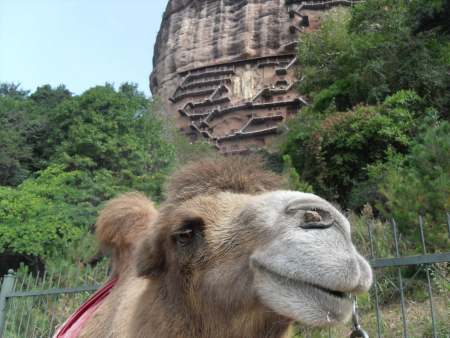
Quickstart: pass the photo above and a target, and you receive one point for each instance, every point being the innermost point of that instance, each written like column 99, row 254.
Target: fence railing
column 410, row 296
column 32, row 306
column 432, row 265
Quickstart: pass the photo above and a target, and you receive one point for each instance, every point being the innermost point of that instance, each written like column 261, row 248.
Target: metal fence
column 32, row 306
column 411, row 280
column 410, row 296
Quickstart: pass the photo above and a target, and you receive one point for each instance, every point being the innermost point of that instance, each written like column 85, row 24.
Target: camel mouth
column 310, row 303
column 335, row 293
column 300, row 283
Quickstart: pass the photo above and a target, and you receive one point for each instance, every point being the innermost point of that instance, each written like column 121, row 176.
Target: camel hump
column 121, row 223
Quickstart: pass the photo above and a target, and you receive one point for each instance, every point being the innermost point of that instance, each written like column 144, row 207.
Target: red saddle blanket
column 73, row 325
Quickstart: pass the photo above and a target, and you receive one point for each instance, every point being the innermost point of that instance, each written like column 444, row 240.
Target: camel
column 229, row 254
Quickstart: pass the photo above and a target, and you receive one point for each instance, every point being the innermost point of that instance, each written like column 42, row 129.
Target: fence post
column 7, row 288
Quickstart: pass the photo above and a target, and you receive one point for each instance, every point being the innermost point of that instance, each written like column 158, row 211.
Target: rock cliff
column 225, row 68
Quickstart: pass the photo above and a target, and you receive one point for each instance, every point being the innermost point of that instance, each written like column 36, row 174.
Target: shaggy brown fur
column 120, row 225
column 244, row 175
column 191, row 277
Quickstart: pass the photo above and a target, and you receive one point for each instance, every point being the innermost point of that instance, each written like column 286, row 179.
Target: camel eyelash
column 182, row 232
column 183, row 237
column 186, row 233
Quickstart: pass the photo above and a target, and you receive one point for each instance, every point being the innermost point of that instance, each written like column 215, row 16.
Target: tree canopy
column 62, row 155
column 377, row 79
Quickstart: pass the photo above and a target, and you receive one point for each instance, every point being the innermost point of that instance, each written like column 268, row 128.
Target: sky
column 78, row 43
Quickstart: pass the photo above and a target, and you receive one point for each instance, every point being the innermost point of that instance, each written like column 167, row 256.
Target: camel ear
column 150, row 259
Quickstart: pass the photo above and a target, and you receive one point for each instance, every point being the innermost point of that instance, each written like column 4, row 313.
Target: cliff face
column 224, row 68
column 197, row 33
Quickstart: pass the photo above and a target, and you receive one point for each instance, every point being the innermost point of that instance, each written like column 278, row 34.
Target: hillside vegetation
column 63, row 155
column 376, row 140
column 377, row 128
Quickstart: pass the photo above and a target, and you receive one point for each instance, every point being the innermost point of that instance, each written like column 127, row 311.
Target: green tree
column 12, row 90
column 15, row 152
column 38, row 217
column 24, row 129
column 375, row 52
column 418, row 184
column 376, row 75
column 427, row 15
column 332, row 153
column 47, row 97
column 67, row 155
column 293, row 178
column 119, row 132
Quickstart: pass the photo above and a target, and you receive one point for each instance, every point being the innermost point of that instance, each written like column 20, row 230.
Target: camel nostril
column 316, row 219
column 312, row 216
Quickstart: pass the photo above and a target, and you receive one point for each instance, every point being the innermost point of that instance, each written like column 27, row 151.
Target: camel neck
column 166, row 317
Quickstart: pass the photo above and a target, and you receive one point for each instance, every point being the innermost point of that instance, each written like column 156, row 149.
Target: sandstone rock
column 225, row 68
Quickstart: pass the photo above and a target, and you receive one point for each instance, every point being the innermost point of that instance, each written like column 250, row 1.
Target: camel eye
column 183, row 237
column 191, row 229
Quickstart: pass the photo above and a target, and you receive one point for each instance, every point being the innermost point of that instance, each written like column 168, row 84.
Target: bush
column 293, row 178
column 333, row 152
column 89, row 148
column 375, row 52
column 419, row 183
column 40, row 217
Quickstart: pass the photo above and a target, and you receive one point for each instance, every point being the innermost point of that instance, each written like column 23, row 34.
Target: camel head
column 229, row 243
